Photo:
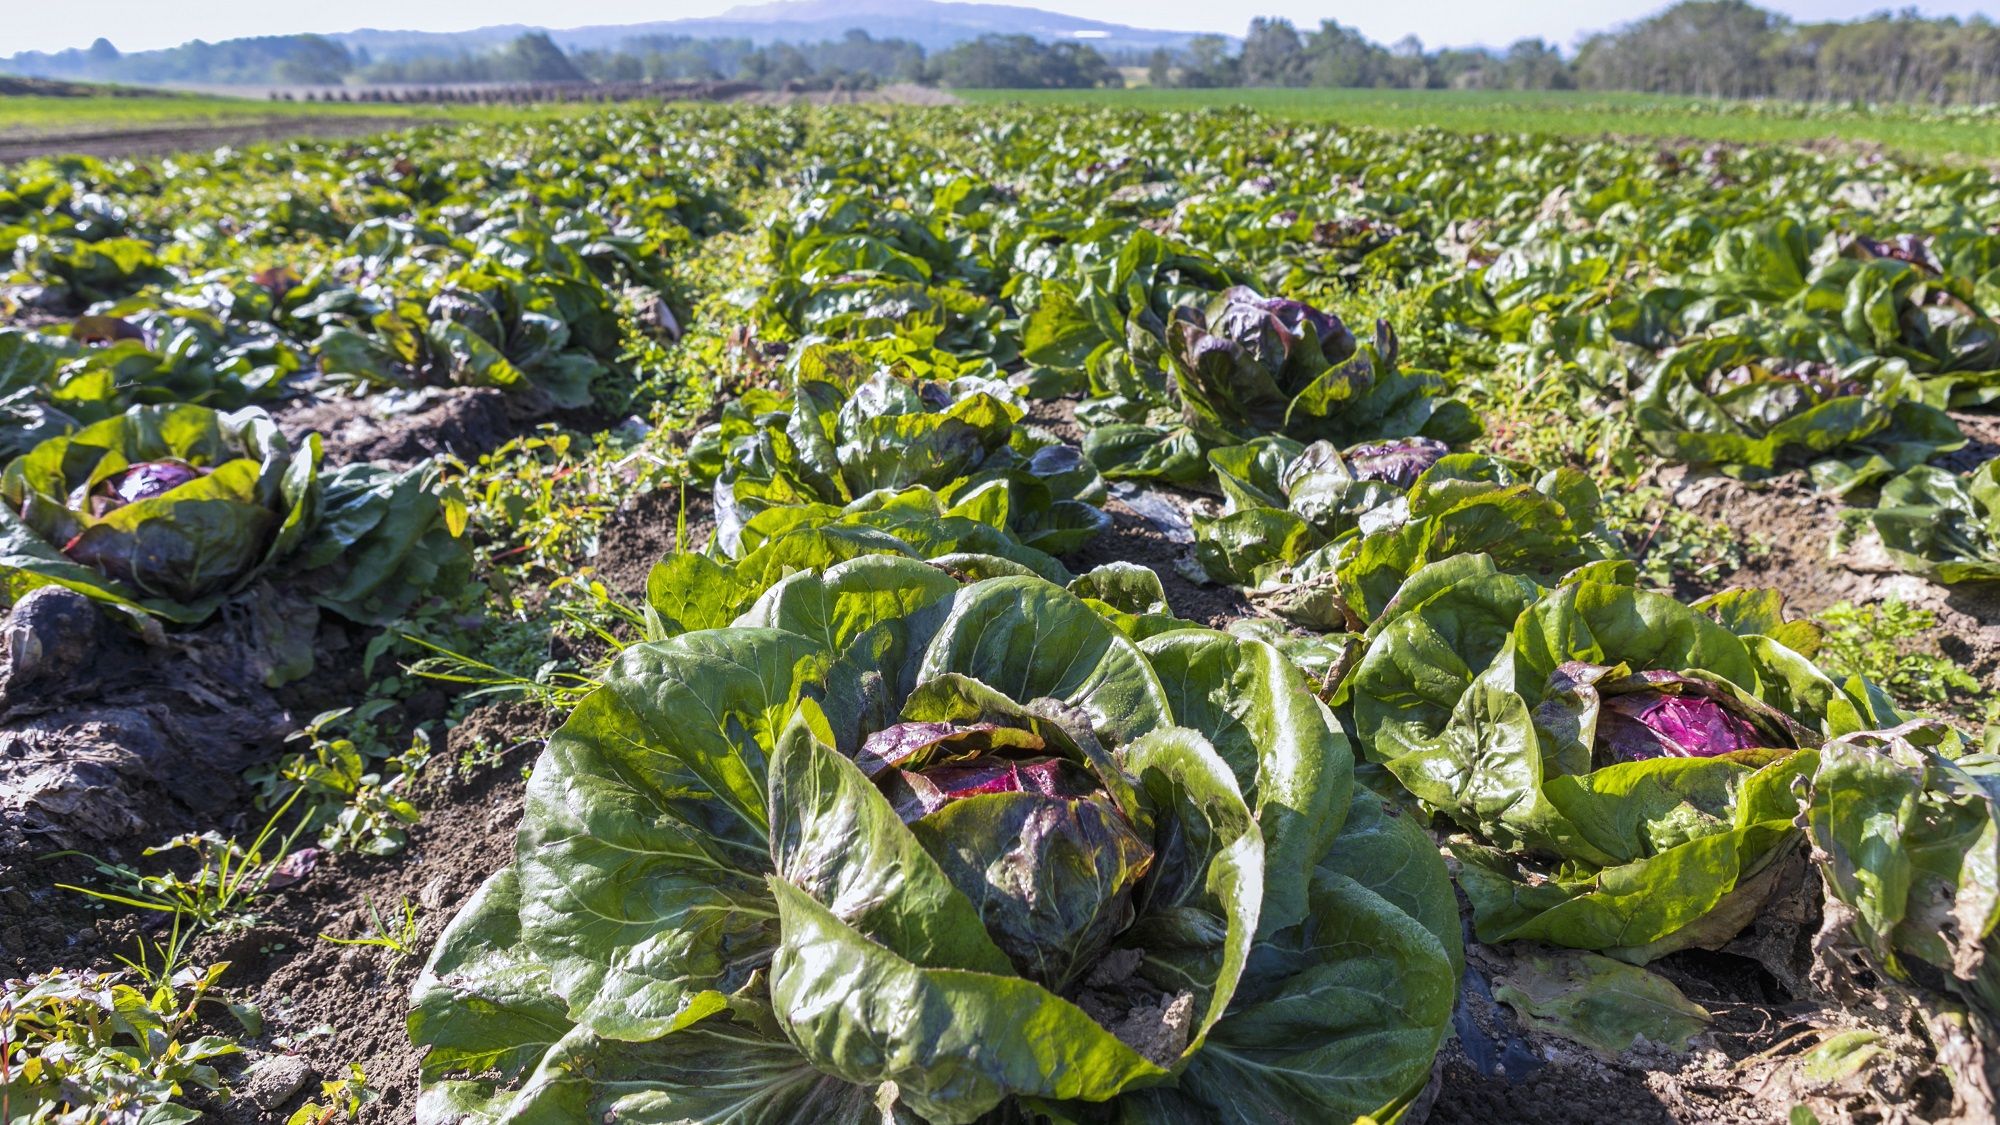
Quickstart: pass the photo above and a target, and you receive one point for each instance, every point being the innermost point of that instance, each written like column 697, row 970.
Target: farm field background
column 1111, row 607
column 1951, row 135
column 1941, row 136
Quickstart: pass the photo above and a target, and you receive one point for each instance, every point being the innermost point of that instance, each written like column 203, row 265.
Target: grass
column 1932, row 135
column 1943, row 136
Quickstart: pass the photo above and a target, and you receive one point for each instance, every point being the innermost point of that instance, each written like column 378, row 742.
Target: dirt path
column 159, row 140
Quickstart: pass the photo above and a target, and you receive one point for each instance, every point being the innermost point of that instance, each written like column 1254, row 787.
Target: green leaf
column 1286, row 754
column 835, row 837
column 955, row 1043
column 1000, row 630
column 729, row 1068
column 1343, row 1012
column 644, row 843
column 482, row 1004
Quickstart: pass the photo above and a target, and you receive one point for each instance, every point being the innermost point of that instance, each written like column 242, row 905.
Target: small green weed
column 353, row 788
column 339, row 1100
column 227, row 877
column 549, row 685
column 398, row 936
column 1673, row 546
column 1885, row 643
column 92, row 1047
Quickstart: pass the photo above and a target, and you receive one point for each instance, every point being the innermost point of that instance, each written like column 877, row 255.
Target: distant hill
column 933, row 24
column 304, row 59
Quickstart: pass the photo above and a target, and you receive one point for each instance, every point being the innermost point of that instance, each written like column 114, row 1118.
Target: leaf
column 729, row 1068
column 1344, row 1012
column 835, row 837
column 955, row 1043
column 644, row 842
column 999, row 631
column 1912, row 845
column 1052, row 878
column 482, row 1004
column 1287, row 756
column 1603, row 1004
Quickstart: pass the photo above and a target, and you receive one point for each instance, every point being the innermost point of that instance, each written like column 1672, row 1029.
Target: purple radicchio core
column 142, row 481
column 1035, row 841
column 1254, row 321
column 1398, row 462
column 1667, row 715
column 938, row 786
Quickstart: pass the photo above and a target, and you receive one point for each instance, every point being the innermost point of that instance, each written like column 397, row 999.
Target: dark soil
column 1982, row 442
column 358, row 994
column 462, row 421
column 1134, row 538
column 642, row 532
column 1058, row 417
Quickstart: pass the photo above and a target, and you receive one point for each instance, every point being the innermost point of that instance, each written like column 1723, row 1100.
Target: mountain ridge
column 934, row 24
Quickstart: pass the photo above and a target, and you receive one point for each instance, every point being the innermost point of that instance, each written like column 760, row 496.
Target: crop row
column 873, row 807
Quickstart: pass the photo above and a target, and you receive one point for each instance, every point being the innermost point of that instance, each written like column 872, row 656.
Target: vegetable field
column 999, row 615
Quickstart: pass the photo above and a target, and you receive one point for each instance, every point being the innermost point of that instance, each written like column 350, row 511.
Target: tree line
column 857, row 60
column 1706, row 48
column 1711, row 48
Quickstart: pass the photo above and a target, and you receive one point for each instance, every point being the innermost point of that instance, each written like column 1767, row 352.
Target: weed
column 399, row 937
column 1672, row 546
column 227, row 877
column 89, row 1046
column 339, row 1100
column 350, row 802
column 549, row 685
column 1882, row 642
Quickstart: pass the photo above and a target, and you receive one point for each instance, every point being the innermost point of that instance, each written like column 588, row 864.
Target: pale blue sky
column 139, row 24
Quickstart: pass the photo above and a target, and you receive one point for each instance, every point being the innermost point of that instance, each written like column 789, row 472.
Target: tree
column 1021, row 62
column 1342, row 56
column 1272, row 55
column 534, row 57
column 1209, row 62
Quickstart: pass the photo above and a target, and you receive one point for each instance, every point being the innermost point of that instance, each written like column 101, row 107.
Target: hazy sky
column 139, row 24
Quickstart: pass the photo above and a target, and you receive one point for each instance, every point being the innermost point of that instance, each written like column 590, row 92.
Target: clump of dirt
column 105, row 736
column 1150, row 1020
column 1134, row 538
column 115, row 739
column 643, row 531
column 333, row 1004
column 462, row 421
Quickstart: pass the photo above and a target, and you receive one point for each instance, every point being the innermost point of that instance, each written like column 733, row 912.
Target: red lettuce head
column 1031, row 836
column 1398, row 462
column 1660, row 714
column 142, row 481
column 1270, row 328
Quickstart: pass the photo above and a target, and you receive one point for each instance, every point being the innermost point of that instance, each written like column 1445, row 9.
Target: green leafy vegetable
column 1622, row 764
column 873, row 840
